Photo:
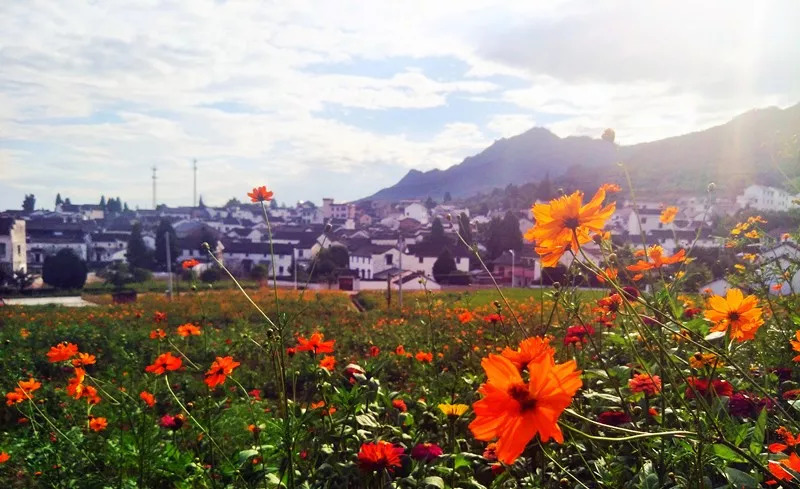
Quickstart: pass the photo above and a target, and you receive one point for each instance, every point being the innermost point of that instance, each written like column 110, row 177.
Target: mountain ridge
column 729, row 154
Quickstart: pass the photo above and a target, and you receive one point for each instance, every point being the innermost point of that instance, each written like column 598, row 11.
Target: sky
column 342, row 98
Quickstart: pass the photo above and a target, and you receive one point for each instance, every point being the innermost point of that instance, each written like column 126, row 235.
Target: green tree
column 502, row 235
column 66, row 201
column 447, row 197
column 273, row 204
column 165, row 228
column 118, row 274
column 437, row 235
column 64, row 270
column 138, row 254
column 29, row 203
column 232, row 202
column 103, row 202
column 444, row 266
column 259, row 273
column 430, row 203
column 201, row 204
column 465, row 228
column 59, row 201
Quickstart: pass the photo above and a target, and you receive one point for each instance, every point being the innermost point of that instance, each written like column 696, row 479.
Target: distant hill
column 750, row 148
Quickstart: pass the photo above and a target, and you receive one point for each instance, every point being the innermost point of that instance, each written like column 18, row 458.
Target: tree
column 103, row 202
column 6, row 273
column 437, row 235
column 139, row 256
column 118, row 274
column 273, row 204
column 164, row 229
column 64, row 270
column 67, row 201
column 447, row 197
column 609, row 135
column 511, row 232
column 201, row 204
column 430, row 203
column 502, row 235
column 329, row 261
column 59, row 201
column 444, row 266
column 207, row 235
column 125, row 208
column 465, row 228
column 339, row 256
column 259, row 273
column 29, row 204
column 232, row 202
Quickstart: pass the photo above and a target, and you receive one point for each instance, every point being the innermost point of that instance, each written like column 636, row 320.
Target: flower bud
column 711, row 187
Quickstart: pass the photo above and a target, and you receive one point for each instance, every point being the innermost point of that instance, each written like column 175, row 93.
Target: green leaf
column 434, row 481
column 739, row 479
column 461, row 461
column 759, row 432
column 367, row 420
column 741, row 434
column 246, row 455
column 726, row 453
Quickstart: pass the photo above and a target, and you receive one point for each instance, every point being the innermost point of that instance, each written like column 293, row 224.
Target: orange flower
column 529, row 350
column 189, row 264
column 513, row 411
column 22, row 392
column 796, row 345
column 316, row 344
column 148, row 398
column 646, row 383
column 668, row 215
column 4, row 457
column 328, row 362
column 566, row 222
column 260, row 194
column 793, row 462
column 657, row 259
column 188, row 329
column 465, row 317
column 75, row 386
column 83, row 360
column 62, row 351
column 610, row 188
column 159, row 316
column 98, row 424
column 220, row 369
column 424, row 357
column 164, row 362
column 736, row 313
column 400, row 350
column 611, row 273
column 158, row 334
column 376, row 457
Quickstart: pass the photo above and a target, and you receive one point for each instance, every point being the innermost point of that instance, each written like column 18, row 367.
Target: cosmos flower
column 315, row 344
column 165, row 362
column 656, row 259
column 220, row 369
column 513, row 411
column 260, row 194
column 188, row 329
column 735, row 313
column 529, row 350
column 668, row 215
column 98, row 424
column 62, row 351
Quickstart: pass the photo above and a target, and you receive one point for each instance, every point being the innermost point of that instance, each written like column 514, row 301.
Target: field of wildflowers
column 643, row 387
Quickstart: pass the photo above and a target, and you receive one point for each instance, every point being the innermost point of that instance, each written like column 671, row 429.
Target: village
column 386, row 243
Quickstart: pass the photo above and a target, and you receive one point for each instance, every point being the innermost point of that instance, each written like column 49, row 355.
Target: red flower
column 328, row 362
column 148, row 398
column 718, row 387
column 424, row 357
column 158, row 334
column 290, row 351
column 159, row 317
column 98, row 424
column 62, row 351
column 374, row 351
column 375, row 457
column 260, row 194
column 188, row 329
column 426, row 452
column 316, row 344
column 646, row 383
column 465, row 317
column 613, row 418
column 400, row 405
column 164, row 362
column 4, row 457
column 220, row 370
column 189, row 264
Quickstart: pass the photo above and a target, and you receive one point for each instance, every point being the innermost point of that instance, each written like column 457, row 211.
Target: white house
column 763, row 198
column 243, row 256
column 13, row 248
column 369, row 260
column 416, row 211
column 421, row 257
column 105, row 247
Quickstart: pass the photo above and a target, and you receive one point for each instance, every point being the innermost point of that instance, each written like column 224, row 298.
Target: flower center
column 520, row 393
column 733, row 316
column 571, row 222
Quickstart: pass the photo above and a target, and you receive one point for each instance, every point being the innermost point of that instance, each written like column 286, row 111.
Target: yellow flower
column 453, row 410
column 700, row 360
column 751, row 257
column 668, row 215
column 739, row 267
column 751, row 234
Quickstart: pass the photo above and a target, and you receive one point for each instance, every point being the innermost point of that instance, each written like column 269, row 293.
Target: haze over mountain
column 758, row 146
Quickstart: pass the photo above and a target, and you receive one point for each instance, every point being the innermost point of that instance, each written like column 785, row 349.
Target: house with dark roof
column 420, row 257
column 368, row 260
column 107, row 247
column 242, row 256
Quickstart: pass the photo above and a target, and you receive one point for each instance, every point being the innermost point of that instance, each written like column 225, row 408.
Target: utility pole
column 169, row 265
column 194, row 192
column 402, row 246
column 513, row 259
column 294, row 255
column 154, row 187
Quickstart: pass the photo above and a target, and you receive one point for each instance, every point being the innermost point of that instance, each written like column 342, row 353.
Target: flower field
column 640, row 386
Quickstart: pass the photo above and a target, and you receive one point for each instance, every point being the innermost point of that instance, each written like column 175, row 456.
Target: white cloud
column 92, row 94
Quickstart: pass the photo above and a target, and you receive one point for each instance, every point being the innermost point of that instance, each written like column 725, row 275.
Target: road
column 75, row 301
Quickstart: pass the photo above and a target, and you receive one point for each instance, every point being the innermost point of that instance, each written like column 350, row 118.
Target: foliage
column 165, row 229
column 211, row 275
column 502, row 235
column 259, row 273
column 29, row 203
column 444, row 265
column 64, row 270
column 118, row 274
column 138, row 254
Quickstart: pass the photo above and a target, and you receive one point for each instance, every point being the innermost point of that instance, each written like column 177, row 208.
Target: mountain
column 758, row 146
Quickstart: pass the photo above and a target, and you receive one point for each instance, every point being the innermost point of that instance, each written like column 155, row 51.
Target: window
column 19, row 249
column 420, row 259
column 280, row 270
column 300, row 253
column 389, row 259
column 2, row 249
column 644, row 220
